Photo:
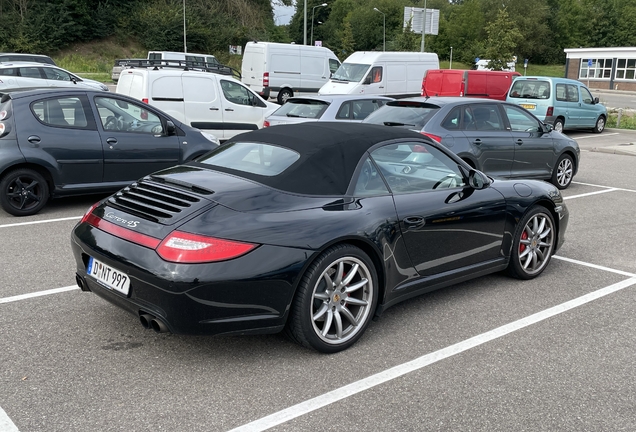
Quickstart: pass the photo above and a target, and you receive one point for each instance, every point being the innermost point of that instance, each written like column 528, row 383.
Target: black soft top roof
column 329, row 153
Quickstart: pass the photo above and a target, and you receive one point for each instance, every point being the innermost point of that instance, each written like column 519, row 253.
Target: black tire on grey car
column 558, row 125
column 533, row 245
column 563, row 172
column 23, row 192
column 335, row 300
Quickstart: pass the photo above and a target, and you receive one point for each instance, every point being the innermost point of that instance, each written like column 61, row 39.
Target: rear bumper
column 250, row 294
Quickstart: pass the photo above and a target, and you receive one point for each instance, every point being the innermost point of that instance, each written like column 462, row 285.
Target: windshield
column 530, row 89
column 302, row 108
column 350, row 72
column 409, row 115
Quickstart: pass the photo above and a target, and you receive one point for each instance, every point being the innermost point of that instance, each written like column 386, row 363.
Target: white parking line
column 590, row 193
column 356, row 387
column 594, row 266
column 603, row 186
column 40, row 221
column 37, row 294
column 596, row 136
column 6, row 425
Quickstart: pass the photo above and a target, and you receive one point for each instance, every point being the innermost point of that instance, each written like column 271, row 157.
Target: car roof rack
column 186, row 65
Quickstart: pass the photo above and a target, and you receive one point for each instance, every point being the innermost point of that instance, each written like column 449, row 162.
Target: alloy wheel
column 564, row 172
column 341, row 300
column 25, row 192
column 536, row 243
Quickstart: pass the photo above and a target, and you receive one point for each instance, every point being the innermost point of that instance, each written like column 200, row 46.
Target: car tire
column 600, row 124
column 533, row 245
column 559, row 125
column 563, row 172
column 23, row 192
column 333, row 307
column 284, row 94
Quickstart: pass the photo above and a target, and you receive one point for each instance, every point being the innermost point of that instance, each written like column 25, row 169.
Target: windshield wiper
column 397, row 124
column 292, row 115
column 340, row 79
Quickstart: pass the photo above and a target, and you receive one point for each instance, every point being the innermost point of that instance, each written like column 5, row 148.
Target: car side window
column 30, row 72
column 521, row 121
column 561, row 93
column 236, row 93
column 573, row 93
column 369, row 182
column 417, row 167
column 9, row 72
column 451, row 122
column 333, row 65
column 56, row 74
column 344, row 113
column 362, row 108
column 376, row 74
column 119, row 115
column 61, row 112
column 485, row 117
column 586, row 96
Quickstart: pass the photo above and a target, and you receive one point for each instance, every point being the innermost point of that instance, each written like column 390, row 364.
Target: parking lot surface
column 492, row 354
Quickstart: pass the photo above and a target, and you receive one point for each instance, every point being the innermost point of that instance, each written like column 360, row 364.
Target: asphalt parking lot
column 493, row 354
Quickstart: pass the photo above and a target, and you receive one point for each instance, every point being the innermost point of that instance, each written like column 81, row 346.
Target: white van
column 394, row 74
column 218, row 104
column 173, row 55
column 483, row 65
column 283, row 70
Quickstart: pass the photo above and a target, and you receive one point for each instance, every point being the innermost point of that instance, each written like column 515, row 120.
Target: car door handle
column 229, row 109
column 34, row 139
column 477, row 141
column 519, row 141
column 111, row 141
column 214, row 109
column 381, row 87
column 413, row 220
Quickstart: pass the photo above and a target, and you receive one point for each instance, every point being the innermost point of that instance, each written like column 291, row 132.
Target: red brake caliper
column 522, row 247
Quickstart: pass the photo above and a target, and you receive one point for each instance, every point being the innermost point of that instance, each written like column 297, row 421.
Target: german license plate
column 528, row 106
column 108, row 276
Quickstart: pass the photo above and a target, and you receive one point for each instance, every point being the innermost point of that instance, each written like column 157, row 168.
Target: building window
column 626, row 69
column 601, row 69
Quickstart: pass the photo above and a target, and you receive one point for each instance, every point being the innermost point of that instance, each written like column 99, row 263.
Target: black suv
column 60, row 142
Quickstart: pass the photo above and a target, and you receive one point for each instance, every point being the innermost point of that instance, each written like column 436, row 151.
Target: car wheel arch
column 372, row 251
column 572, row 155
column 35, row 167
column 549, row 206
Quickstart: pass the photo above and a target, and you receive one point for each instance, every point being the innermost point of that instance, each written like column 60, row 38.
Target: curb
column 616, row 150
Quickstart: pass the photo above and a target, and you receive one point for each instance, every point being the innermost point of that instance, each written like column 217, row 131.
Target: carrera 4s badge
column 129, row 223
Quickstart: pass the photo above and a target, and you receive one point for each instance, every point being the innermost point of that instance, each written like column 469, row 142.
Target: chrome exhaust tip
column 159, row 326
column 81, row 283
column 145, row 320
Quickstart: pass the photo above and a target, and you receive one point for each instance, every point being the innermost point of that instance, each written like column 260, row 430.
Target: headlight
column 210, row 137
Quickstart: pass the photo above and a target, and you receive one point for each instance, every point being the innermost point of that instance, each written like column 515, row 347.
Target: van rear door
column 253, row 66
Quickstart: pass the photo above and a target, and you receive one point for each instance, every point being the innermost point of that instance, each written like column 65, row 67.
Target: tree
column 503, row 36
column 347, row 43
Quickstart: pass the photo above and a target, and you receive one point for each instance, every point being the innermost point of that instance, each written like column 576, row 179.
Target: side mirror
column 171, row 129
column 478, row 180
column 596, row 100
column 548, row 127
column 367, row 80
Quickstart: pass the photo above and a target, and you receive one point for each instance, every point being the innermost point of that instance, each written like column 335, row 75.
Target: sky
column 283, row 14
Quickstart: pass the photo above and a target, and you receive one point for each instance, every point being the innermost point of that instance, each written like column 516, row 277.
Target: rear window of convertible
column 254, row 158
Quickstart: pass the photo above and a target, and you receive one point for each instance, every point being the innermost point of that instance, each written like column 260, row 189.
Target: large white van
column 394, row 74
column 283, row 70
column 208, row 101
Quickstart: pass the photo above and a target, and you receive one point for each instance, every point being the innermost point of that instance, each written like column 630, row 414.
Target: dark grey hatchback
column 60, row 142
column 500, row 139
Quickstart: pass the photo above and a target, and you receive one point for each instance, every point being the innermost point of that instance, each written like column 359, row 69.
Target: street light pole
column 185, row 47
column 304, row 26
column 423, row 27
column 384, row 27
column 311, row 40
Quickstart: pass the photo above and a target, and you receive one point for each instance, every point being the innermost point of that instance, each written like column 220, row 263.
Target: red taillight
column 462, row 88
column 88, row 212
column 4, row 113
column 145, row 100
column 433, row 137
column 550, row 112
column 2, row 128
column 182, row 247
column 265, row 124
column 265, row 79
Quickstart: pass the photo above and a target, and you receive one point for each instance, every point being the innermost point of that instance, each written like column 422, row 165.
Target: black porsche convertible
column 313, row 229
